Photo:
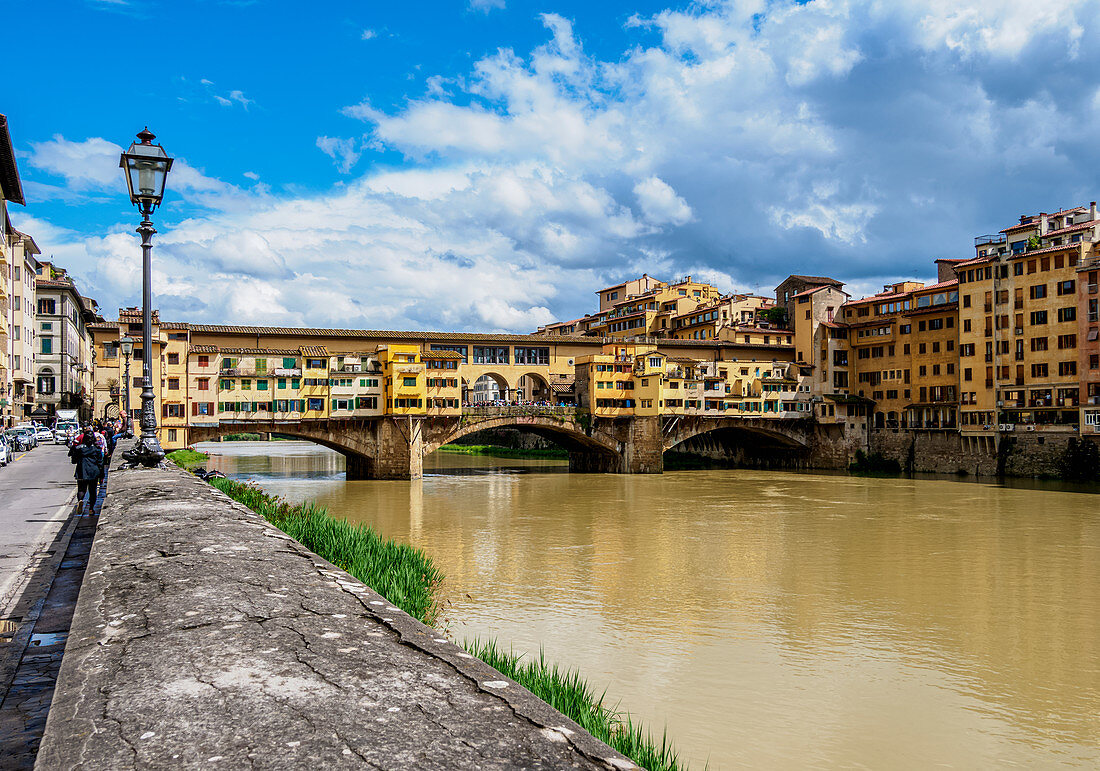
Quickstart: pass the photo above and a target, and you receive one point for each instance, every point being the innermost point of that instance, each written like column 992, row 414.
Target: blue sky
column 489, row 164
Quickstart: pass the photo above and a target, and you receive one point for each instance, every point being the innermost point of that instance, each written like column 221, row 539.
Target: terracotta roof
column 1021, row 255
column 941, row 285
column 816, row 279
column 441, row 355
column 1072, row 228
column 314, row 350
column 561, row 388
column 1022, row 226
column 811, row 290
column 54, row 283
column 204, row 349
column 269, row 351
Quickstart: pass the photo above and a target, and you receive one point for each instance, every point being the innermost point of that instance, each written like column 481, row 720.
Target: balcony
column 1091, row 288
column 285, row 372
column 994, row 238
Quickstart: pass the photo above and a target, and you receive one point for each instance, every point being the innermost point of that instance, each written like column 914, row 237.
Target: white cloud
column 735, row 140
column 368, row 34
column 485, row 6
column 340, row 150
column 660, row 204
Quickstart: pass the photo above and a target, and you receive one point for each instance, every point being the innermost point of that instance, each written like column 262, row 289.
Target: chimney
column 1092, row 210
column 1043, row 222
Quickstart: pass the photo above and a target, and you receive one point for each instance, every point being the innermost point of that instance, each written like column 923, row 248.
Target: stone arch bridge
column 393, row 447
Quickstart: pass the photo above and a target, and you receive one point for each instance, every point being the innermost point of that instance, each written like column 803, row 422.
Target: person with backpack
column 88, row 459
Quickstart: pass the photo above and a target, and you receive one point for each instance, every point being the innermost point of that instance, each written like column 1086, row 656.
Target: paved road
column 36, row 496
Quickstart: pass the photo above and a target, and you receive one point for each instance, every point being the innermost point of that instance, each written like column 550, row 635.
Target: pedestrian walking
column 88, row 459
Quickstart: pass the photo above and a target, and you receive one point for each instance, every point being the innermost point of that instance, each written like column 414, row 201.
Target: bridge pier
column 399, row 448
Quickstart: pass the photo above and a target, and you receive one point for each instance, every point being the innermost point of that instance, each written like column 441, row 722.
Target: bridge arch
column 566, row 433
column 358, row 447
column 533, row 386
column 783, row 436
column 503, row 386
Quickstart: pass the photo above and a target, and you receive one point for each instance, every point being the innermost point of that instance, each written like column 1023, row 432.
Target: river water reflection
column 769, row 619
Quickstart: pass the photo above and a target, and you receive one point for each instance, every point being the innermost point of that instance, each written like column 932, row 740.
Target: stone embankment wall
column 1020, row 454
column 203, row 636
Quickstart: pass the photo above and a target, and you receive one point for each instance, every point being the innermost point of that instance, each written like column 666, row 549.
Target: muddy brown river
column 768, row 619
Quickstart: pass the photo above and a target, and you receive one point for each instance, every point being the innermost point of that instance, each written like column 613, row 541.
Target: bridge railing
column 519, row 410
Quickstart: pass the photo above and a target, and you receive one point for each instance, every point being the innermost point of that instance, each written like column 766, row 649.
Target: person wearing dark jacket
column 89, row 461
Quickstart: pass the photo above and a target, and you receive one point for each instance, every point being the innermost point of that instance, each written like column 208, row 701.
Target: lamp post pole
column 127, row 349
column 146, row 167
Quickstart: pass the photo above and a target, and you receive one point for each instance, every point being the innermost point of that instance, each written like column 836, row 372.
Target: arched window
column 47, row 384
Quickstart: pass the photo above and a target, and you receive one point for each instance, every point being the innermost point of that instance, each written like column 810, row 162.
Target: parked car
column 5, row 453
column 20, row 438
column 27, row 430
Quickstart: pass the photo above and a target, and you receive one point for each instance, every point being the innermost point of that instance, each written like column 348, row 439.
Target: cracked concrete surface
column 205, row 637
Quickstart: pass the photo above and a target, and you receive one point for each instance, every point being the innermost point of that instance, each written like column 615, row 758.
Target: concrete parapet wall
column 203, row 636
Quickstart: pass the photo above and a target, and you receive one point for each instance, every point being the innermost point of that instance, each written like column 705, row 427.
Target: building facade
column 63, row 362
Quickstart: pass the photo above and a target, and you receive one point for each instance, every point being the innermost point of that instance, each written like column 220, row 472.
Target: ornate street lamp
column 127, row 345
column 146, row 166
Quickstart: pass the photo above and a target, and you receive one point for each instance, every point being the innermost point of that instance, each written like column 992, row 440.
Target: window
column 173, row 384
column 246, row 385
column 261, row 366
column 316, row 364
column 1038, row 317
column 261, row 385
column 1067, row 341
column 172, row 410
column 315, row 404
column 1067, row 287
column 408, row 381
column 47, row 345
column 1039, row 370
column 1038, row 292
column 46, row 384
column 226, row 385
column 538, row 356
column 295, row 383
column 490, row 355
column 1067, row 368
column 172, row 432
column 290, row 362
column 1068, row 313
column 173, row 358
column 966, row 300
column 203, row 384
column 966, row 325
column 229, row 363
column 1038, row 344
column 968, row 374
column 204, row 361
column 47, row 307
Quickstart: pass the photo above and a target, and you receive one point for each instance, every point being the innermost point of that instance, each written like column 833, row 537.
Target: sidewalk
column 205, row 636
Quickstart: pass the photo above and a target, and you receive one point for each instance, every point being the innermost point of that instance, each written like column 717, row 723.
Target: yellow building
column 1019, row 324
column 405, row 384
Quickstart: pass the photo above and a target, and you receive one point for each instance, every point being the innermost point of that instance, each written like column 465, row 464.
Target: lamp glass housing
column 127, row 344
column 146, row 166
